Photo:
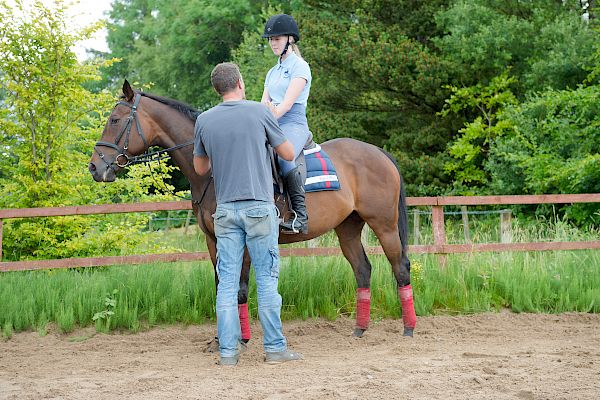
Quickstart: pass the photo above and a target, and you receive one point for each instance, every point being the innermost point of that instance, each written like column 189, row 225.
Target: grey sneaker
column 229, row 361
column 282, row 356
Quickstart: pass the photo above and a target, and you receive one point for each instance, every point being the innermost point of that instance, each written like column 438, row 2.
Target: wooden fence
column 437, row 204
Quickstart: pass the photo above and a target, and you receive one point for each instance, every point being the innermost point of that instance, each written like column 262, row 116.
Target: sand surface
column 484, row 356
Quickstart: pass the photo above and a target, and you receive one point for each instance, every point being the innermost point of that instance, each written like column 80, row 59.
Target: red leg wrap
column 244, row 321
column 363, row 307
column 408, row 306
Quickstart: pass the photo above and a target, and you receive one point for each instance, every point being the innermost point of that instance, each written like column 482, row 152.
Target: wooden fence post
column 364, row 235
column 465, row 221
column 506, row 234
column 187, row 222
column 416, row 227
column 439, row 233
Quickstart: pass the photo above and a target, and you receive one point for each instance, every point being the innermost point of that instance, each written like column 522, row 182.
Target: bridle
column 123, row 159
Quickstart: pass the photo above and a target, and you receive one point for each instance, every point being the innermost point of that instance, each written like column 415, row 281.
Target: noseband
column 122, row 159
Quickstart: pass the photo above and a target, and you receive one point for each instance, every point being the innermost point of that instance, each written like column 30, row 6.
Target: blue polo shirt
column 279, row 77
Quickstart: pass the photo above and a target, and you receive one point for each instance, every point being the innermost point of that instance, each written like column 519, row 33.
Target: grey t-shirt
column 234, row 136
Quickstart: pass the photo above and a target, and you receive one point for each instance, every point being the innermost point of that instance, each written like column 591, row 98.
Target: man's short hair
column 224, row 77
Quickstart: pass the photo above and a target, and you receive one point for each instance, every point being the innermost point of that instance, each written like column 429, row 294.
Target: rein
column 123, row 159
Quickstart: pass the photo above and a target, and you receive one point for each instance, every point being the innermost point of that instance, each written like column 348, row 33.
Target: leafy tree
column 175, row 44
column 545, row 44
column 48, row 127
column 550, row 144
column 376, row 80
column 254, row 56
column 500, row 53
column 470, row 150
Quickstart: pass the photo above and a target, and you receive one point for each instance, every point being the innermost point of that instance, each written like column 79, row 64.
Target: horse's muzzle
column 102, row 174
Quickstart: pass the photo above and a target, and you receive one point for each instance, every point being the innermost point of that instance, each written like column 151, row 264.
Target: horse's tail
column 402, row 209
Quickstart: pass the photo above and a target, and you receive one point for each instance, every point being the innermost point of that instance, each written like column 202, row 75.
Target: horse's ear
column 127, row 91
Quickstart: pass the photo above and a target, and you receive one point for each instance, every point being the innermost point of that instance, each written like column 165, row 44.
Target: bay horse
column 372, row 192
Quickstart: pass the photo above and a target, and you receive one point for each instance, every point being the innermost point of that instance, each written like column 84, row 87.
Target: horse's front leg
column 213, row 345
column 243, row 298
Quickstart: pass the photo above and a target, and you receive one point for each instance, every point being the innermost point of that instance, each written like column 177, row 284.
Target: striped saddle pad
column 320, row 171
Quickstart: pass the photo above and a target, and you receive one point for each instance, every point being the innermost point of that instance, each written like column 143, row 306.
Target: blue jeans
column 253, row 224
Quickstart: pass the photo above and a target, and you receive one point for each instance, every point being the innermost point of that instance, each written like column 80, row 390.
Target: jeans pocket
column 258, row 222
column 219, row 214
column 274, row 262
column 220, row 218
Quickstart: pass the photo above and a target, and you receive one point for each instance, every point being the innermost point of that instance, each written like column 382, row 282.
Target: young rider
column 287, row 86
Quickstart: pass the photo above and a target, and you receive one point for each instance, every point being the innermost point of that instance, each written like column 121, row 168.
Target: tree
column 48, row 126
column 175, row 44
column 545, row 44
column 550, row 144
column 470, row 149
column 377, row 79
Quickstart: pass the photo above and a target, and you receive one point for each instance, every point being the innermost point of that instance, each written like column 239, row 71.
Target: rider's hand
column 272, row 107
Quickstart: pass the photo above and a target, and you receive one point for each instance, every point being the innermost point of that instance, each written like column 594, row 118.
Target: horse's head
column 123, row 137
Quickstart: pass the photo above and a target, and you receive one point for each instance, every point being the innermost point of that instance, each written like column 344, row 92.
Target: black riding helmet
column 281, row 24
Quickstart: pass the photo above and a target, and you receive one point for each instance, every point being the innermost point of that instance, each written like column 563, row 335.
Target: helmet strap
column 285, row 49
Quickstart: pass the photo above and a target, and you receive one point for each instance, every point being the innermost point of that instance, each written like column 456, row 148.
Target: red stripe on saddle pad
column 324, row 165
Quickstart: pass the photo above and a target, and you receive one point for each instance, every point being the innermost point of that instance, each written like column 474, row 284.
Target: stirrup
column 284, row 229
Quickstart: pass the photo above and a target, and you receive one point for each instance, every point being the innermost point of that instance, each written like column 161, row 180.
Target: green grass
column 156, row 294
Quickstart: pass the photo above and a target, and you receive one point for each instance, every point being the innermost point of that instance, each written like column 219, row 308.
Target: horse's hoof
column 408, row 332
column 243, row 346
column 212, row 346
column 358, row 332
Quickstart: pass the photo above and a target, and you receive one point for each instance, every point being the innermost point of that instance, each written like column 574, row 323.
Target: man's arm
column 285, row 150
column 202, row 164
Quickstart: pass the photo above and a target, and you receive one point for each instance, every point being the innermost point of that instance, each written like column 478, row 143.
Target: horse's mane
column 189, row 111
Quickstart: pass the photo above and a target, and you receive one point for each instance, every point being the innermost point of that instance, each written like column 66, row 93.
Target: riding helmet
column 281, row 24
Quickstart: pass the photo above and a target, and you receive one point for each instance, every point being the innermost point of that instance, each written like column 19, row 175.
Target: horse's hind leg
column 243, row 298
column 388, row 236
column 348, row 233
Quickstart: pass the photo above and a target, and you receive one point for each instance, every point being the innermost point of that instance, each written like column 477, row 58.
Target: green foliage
column 102, row 318
column 470, row 149
column 551, row 144
column 376, row 81
column 545, row 44
column 381, row 69
column 48, row 127
column 176, row 44
column 254, row 56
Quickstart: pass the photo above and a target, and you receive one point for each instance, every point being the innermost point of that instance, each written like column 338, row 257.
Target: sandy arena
column 484, row 356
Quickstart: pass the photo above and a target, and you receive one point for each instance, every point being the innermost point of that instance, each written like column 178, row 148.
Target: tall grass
column 149, row 295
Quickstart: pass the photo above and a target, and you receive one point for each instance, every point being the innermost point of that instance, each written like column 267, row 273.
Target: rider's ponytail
column 295, row 48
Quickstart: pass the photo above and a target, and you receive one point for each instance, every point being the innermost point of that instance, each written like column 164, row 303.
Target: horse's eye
column 114, row 120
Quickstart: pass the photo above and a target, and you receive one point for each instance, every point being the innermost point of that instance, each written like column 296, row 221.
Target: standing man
column 231, row 139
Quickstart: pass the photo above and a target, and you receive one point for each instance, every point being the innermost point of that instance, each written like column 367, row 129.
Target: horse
column 371, row 191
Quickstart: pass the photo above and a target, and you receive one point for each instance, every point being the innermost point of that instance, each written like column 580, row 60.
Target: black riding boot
column 295, row 187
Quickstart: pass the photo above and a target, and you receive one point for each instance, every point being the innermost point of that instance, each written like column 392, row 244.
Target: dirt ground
column 484, row 356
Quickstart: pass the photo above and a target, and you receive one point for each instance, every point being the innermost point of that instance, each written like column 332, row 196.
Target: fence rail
column 437, row 204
